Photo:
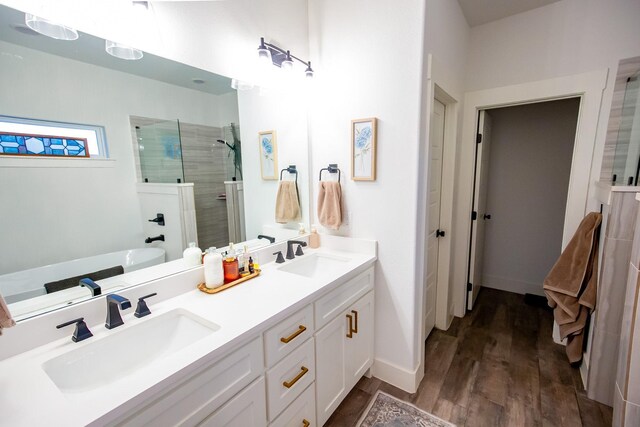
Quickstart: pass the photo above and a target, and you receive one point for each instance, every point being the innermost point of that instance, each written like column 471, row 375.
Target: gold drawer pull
column 305, row 423
column 355, row 315
column 289, row 384
column 300, row 330
column 350, row 333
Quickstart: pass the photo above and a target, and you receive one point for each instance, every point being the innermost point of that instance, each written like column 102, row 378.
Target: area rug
column 387, row 411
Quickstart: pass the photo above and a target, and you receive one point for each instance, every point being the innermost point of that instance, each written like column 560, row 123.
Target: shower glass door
column 160, row 151
column 626, row 164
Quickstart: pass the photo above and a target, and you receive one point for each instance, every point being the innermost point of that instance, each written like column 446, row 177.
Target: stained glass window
column 29, row 137
column 42, row 145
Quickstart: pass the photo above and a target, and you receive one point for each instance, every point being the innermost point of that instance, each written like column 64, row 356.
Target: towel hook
column 332, row 168
column 292, row 170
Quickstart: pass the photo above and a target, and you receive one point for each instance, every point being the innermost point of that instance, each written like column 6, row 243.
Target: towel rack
column 292, row 170
column 333, row 168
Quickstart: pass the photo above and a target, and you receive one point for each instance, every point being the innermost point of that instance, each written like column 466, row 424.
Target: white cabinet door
column 360, row 345
column 247, row 408
column 331, row 382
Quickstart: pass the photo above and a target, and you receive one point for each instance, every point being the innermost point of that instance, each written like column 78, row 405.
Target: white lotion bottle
column 192, row 255
column 213, row 273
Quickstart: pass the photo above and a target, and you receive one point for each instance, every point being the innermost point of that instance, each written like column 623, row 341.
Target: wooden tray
column 203, row 287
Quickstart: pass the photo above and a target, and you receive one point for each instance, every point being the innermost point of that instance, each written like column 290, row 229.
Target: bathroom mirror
column 64, row 212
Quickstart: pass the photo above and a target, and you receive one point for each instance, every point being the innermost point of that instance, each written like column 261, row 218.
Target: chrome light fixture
column 279, row 57
column 50, row 28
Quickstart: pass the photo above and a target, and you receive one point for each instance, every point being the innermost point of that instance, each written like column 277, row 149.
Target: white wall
column 564, row 38
column 529, row 167
column 365, row 71
column 64, row 213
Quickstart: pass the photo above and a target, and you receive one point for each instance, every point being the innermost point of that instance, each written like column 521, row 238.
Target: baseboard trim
column 512, row 285
column 397, row 376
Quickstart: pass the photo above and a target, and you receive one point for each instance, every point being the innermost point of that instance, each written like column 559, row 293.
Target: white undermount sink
column 314, row 265
column 126, row 351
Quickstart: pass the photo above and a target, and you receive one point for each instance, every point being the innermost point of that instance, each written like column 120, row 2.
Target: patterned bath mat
column 387, row 411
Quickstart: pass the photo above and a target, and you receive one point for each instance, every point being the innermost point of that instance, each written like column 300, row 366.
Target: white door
column 436, row 144
column 479, row 207
column 360, row 345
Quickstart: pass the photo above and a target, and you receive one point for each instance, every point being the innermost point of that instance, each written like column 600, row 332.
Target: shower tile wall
column 205, row 164
column 626, row 408
column 618, row 240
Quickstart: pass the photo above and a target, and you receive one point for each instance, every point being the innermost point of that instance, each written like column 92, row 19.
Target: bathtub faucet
column 93, row 286
column 153, row 239
column 269, row 238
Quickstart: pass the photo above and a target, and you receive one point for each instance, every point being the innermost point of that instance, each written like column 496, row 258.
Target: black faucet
column 153, row 239
column 290, row 243
column 269, row 238
column 114, row 304
column 81, row 332
column 93, row 286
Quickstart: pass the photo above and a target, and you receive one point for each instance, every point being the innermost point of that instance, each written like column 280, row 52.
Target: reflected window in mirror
column 29, row 137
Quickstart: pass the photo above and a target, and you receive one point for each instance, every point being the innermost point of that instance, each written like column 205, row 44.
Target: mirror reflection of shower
column 626, row 165
column 208, row 157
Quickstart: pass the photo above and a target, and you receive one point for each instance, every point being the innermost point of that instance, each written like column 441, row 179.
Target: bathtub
column 27, row 284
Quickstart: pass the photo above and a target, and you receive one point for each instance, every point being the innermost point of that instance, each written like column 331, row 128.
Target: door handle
column 350, row 333
column 439, row 233
column 305, row 423
column 486, row 216
column 301, row 329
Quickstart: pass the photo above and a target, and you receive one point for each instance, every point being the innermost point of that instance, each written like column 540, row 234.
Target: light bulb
column 287, row 64
column 49, row 28
column 122, row 51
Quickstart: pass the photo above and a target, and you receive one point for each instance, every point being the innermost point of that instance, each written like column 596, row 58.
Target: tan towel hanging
column 287, row 203
column 330, row 204
column 6, row 321
column 572, row 284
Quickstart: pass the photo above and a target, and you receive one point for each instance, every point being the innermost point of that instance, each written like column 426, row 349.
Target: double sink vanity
column 282, row 349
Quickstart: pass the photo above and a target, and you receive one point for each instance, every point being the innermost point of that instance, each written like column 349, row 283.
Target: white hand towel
column 6, row 321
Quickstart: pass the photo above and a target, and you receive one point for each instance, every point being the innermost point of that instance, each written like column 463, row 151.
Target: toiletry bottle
column 230, row 264
column 251, row 266
column 301, row 229
column 213, row 274
column 314, row 239
column 192, row 255
column 245, row 261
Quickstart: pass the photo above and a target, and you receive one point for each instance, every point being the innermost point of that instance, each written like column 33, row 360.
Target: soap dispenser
column 230, row 265
column 314, row 238
column 213, row 272
column 192, row 255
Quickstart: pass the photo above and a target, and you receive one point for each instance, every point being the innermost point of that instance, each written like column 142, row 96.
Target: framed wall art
column 268, row 154
column 363, row 149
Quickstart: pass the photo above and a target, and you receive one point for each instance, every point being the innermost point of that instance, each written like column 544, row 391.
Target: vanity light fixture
column 279, row 57
column 122, row 51
column 50, row 28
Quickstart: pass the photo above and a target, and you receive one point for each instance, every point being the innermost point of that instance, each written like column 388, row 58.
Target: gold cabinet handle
column 355, row 315
column 303, row 371
column 350, row 332
column 305, row 423
column 301, row 329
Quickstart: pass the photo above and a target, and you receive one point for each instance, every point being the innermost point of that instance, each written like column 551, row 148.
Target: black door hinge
column 469, row 287
column 474, row 215
column 439, row 233
column 478, row 138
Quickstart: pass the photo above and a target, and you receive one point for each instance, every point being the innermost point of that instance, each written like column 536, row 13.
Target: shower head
column 222, row 141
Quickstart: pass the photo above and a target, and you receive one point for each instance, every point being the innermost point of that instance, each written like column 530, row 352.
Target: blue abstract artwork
column 17, row 144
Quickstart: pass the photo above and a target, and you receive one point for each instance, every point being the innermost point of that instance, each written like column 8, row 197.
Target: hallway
column 498, row 366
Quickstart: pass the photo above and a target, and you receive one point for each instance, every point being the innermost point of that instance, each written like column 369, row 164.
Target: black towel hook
column 332, row 168
column 292, row 170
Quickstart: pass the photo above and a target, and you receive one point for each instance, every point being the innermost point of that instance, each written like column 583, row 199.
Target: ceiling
column 480, row 12
column 90, row 49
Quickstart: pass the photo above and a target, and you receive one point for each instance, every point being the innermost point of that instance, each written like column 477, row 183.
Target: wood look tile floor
column 497, row 366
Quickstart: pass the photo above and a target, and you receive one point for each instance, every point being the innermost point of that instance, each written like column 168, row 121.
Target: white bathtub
column 27, row 284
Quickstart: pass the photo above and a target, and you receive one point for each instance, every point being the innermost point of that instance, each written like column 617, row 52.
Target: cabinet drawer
column 336, row 301
column 190, row 402
column 302, row 409
column 247, row 408
column 290, row 377
column 288, row 335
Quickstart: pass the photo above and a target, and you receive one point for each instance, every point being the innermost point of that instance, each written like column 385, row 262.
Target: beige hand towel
column 287, row 203
column 572, row 285
column 6, row 321
column 330, row 204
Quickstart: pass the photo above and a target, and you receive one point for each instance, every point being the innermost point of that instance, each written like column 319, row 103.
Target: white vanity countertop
column 29, row 397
